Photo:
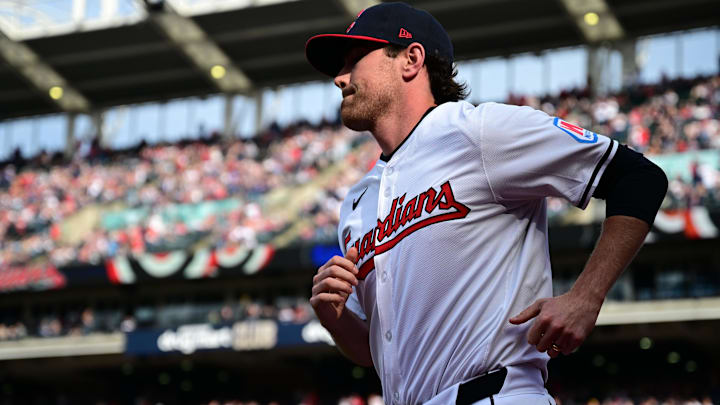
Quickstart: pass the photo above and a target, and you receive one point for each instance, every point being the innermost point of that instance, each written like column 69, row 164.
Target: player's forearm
column 620, row 240
column 351, row 336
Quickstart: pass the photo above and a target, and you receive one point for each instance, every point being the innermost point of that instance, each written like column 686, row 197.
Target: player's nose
column 343, row 78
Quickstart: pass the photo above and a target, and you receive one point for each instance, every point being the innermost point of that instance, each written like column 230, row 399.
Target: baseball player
column 445, row 284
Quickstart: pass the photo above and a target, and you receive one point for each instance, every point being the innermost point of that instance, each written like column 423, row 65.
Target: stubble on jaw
column 366, row 105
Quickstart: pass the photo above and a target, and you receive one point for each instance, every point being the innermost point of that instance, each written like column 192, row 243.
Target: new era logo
column 404, row 33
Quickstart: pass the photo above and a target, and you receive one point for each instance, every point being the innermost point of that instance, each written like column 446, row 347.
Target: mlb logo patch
column 580, row 134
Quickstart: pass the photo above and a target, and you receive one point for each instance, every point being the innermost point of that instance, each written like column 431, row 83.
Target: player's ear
column 413, row 61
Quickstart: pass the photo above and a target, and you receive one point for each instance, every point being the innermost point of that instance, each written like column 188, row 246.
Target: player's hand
column 332, row 285
column 564, row 321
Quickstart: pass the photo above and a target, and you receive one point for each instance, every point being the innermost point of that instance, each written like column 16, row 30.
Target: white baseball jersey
column 452, row 240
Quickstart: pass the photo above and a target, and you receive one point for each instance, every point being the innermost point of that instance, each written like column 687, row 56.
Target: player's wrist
column 330, row 320
column 587, row 297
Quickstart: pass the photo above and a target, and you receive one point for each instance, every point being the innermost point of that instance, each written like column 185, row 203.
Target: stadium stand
column 157, row 198
column 138, row 208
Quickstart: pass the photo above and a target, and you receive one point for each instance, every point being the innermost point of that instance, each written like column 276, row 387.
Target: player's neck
column 392, row 128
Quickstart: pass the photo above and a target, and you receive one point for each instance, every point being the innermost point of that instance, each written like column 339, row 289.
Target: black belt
column 481, row 387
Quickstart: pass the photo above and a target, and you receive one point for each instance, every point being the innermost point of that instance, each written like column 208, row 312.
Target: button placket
column 384, row 288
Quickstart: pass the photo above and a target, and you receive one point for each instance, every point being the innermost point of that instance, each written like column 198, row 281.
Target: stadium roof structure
column 136, row 60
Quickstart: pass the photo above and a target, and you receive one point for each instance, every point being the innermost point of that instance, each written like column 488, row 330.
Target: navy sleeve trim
column 632, row 186
column 595, row 172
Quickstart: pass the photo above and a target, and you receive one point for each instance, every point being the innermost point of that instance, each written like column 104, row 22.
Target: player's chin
column 352, row 119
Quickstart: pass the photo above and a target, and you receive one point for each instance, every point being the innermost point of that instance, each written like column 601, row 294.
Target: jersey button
column 388, row 336
column 383, row 277
column 387, row 192
column 396, row 396
column 390, row 170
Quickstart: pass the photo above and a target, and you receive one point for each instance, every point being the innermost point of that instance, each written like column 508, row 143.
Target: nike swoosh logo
column 356, row 202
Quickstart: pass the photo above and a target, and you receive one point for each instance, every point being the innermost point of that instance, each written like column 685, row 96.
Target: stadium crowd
column 211, row 191
column 674, row 116
column 154, row 182
column 79, row 321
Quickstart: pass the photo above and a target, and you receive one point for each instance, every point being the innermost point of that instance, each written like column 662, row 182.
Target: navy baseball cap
column 385, row 23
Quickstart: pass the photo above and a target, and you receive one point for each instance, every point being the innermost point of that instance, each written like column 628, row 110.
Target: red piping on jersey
column 366, row 268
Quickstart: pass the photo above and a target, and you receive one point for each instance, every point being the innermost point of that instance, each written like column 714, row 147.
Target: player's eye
column 354, row 56
column 358, row 53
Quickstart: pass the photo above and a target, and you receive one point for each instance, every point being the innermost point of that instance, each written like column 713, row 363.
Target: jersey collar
column 387, row 158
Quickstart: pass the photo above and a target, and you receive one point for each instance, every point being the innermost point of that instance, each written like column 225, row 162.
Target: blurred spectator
column 160, row 191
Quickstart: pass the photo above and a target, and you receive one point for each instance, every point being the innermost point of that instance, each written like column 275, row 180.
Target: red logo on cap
column 404, row 33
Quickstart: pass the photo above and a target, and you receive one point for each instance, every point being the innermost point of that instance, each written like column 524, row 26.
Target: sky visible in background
column 686, row 54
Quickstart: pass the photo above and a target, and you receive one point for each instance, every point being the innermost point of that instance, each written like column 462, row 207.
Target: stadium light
column 646, row 343
column 56, row 92
column 673, row 357
column 218, row 72
column 595, row 20
column 205, row 54
column 42, row 76
column 591, row 18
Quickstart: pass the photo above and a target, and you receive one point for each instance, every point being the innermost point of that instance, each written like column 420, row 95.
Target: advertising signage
column 240, row 336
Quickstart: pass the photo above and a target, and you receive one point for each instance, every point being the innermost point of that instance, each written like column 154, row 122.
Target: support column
column 510, row 76
column 70, row 142
column 34, row 139
column 717, row 48
column 477, row 81
column 98, row 122
column 597, row 65
column 630, row 68
column 258, row 111
column 679, row 56
column 161, row 134
column 190, row 120
column 108, row 9
column 229, row 126
column 78, row 11
column 546, row 73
